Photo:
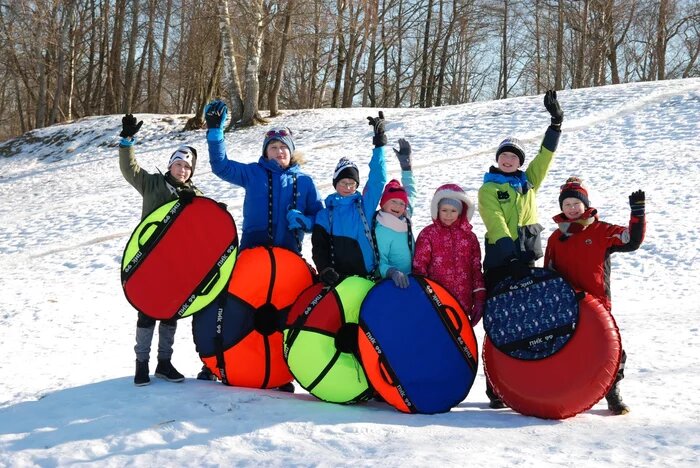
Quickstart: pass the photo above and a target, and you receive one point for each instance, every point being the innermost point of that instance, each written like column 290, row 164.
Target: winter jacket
column 394, row 237
column 508, row 208
column 342, row 236
column 156, row 189
column 451, row 254
column 580, row 250
column 264, row 225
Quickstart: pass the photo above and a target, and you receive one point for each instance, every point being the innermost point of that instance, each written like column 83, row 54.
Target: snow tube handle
column 210, row 284
column 385, row 373
column 453, row 317
column 155, row 235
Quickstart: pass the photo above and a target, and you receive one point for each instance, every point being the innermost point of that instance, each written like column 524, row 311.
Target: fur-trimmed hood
column 454, row 192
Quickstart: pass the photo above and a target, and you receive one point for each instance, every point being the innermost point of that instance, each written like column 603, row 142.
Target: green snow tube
column 320, row 341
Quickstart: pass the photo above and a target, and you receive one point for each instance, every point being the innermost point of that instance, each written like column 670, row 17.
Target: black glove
column 637, row 203
column 129, row 126
column 329, row 277
column 553, row 107
column 186, row 196
column 517, row 269
column 379, row 135
column 403, row 154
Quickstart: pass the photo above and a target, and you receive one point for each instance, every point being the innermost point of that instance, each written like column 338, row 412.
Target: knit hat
column 282, row 134
column 184, row 153
column 451, row 192
column 394, row 190
column 452, row 202
column 573, row 188
column 346, row 169
column 514, row 146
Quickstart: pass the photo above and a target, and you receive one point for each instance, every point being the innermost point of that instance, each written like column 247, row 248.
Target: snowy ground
column 66, row 391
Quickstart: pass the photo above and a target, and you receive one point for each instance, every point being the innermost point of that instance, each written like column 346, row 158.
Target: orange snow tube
column 239, row 337
column 568, row 382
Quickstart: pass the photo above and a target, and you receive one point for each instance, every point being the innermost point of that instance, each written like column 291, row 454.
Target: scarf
column 517, row 180
column 390, row 221
column 569, row 227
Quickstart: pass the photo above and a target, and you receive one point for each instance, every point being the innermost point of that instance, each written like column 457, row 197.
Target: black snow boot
column 288, row 387
column 165, row 370
column 206, row 374
column 141, row 377
column 494, row 401
column 615, row 403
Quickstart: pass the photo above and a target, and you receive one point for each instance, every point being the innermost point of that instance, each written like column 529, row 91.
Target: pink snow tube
column 568, row 382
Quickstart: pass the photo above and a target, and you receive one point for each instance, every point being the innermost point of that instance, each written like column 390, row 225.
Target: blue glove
column 399, row 278
column 215, row 114
column 297, row 220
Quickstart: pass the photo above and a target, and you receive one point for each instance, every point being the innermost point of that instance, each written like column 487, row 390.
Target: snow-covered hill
column 67, row 331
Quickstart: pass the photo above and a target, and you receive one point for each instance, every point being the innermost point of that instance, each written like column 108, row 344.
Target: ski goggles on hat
column 278, row 132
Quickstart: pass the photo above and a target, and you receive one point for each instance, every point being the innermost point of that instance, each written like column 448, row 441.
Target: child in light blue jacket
column 394, row 237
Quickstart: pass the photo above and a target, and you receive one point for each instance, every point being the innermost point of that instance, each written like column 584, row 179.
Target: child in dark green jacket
column 156, row 190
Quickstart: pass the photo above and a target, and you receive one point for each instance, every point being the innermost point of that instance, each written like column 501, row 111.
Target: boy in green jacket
column 508, row 208
column 156, row 190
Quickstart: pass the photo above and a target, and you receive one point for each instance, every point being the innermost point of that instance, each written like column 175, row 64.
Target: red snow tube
column 266, row 281
column 567, row 382
column 179, row 258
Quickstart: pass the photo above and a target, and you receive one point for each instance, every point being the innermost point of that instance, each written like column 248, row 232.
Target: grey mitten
column 403, row 154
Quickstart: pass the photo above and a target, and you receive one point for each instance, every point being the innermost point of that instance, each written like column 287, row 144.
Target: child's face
column 448, row 214
column 573, row 208
column 278, row 151
column 346, row 187
column 181, row 171
column 508, row 162
column 395, row 207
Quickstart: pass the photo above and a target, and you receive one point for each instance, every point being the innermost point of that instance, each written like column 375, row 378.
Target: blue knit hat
column 282, row 134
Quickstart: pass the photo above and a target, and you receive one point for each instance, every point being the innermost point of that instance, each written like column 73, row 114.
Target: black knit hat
column 514, row 146
column 346, row 169
column 573, row 188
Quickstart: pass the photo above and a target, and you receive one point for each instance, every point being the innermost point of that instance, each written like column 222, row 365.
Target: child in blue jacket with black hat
column 342, row 240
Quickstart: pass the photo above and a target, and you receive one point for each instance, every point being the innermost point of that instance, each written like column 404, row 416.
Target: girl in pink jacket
column 448, row 252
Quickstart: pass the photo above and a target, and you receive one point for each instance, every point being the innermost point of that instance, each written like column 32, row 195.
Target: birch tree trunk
column 155, row 100
column 252, row 85
column 273, row 96
column 233, row 84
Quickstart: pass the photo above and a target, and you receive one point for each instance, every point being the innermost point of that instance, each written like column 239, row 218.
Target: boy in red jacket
column 580, row 250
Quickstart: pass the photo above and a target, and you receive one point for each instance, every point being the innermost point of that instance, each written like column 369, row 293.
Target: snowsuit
column 508, row 208
column 451, row 254
column 156, row 189
column 342, row 235
column 270, row 193
column 394, row 238
column 580, row 250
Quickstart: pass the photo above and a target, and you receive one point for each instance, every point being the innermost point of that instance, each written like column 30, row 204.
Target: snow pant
column 145, row 326
column 621, row 369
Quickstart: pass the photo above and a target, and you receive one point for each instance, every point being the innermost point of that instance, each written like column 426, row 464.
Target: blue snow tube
column 417, row 346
